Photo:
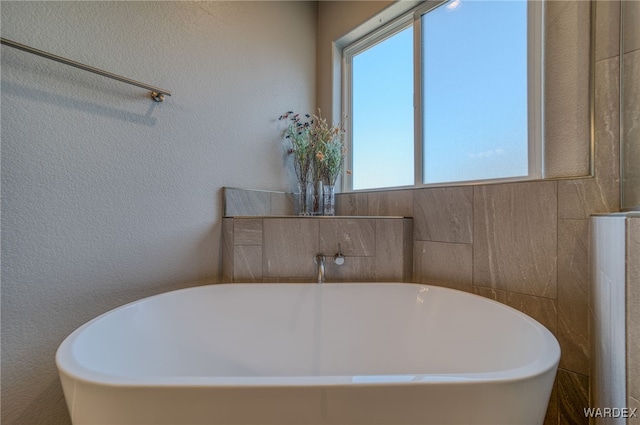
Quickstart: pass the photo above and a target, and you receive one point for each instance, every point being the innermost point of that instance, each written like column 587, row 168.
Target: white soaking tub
column 294, row 354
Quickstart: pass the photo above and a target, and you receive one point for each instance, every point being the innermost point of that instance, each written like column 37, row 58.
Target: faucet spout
column 319, row 260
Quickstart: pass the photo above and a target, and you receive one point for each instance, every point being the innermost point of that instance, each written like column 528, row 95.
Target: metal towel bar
column 157, row 93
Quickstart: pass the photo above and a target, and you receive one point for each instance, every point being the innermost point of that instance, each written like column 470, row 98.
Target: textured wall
column 107, row 196
column 335, row 19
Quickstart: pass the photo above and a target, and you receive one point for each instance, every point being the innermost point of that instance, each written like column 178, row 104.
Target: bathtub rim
column 71, row 369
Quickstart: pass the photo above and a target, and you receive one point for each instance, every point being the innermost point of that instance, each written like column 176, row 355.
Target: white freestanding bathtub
column 294, row 354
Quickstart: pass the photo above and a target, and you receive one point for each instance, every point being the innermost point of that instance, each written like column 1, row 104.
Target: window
column 476, row 113
column 382, row 113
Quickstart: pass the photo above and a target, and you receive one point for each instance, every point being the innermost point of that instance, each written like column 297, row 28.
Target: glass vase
column 303, row 198
column 316, row 197
column 329, row 199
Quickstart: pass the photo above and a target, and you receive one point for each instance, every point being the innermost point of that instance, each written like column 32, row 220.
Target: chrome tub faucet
column 319, row 260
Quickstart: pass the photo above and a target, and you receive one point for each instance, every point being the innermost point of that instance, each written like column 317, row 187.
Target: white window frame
column 535, row 68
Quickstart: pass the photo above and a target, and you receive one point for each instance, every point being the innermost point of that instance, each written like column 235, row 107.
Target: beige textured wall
column 108, row 197
column 335, row 19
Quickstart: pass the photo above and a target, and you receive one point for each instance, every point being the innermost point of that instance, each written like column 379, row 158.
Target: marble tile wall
column 631, row 135
column 573, row 294
column 566, row 73
column 631, row 104
column 443, row 264
column 247, row 202
column 525, row 244
column 282, row 249
column 507, row 242
column 501, row 260
column 444, row 214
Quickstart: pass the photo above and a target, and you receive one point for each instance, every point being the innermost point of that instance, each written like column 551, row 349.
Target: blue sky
column 474, row 62
column 383, row 114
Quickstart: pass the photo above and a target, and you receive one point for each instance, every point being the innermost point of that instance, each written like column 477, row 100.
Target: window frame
column 535, row 66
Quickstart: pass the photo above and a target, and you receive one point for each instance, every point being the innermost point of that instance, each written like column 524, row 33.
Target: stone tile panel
column 566, row 88
column 607, row 118
column 515, row 237
column 607, row 29
column 247, row 231
column 247, row 264
column 631, row 27
column 227, row 250
column 579, row 198
column 290, row 246
column 390, row 203
column 443, row 264
column 631, row 124
column 491, row 293
column 573, row 397
column 443, row 214
column 354, row 269
column 573, row 294
column 352, row 204
column 283, row 203
column 407, row 274
column 241, row 202
column 357, row 237
column 544, row 310
column 389, row 252
column 634, row 403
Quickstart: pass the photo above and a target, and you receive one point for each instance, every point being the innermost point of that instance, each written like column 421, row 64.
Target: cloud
column 487, row 154
column 455, row 4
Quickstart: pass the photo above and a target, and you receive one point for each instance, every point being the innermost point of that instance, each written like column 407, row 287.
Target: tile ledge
column 322, row 217
column 618, row 214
